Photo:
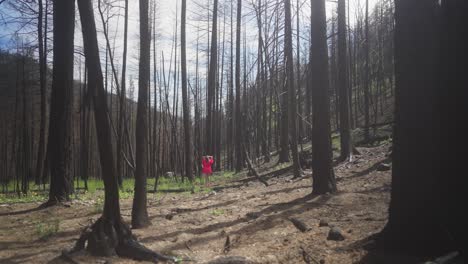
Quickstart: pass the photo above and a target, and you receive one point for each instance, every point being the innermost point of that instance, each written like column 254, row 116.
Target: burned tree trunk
column 109, row 235
column 185, row 100
column 61, row 182
column 212, row 82
column 238, row 131
column 43, row 87
column 427, row 186
column 288, row 56
column 139, row 210
column 323, row 175
column 343, row 85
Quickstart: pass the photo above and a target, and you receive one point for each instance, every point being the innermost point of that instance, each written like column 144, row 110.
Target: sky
column 166, row 12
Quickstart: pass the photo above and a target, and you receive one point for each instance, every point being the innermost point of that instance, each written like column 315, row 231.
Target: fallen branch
column 307, row 257
column 251, row 168
column 303, row 227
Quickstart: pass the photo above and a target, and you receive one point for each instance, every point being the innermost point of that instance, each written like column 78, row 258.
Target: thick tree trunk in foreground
column 139, row 210
column 61, row 181
column 426, row 217
column 323, row 175
column 343, row 85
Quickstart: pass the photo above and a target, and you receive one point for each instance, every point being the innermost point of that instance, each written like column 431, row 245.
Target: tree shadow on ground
column 17, row 258
column 179, row 211
column 365, row 172
column 281, row 211
column 34, row 209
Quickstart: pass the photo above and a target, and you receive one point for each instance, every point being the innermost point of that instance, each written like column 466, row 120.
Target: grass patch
column 31, row 197
column 217, row 212
column 280, row 166
column 336, row 141
column 95, row 189
column 44, row 230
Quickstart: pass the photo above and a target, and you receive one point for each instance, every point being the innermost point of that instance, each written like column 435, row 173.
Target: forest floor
column 254, row 218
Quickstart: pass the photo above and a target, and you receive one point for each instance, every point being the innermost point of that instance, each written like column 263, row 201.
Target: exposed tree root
column 108, row 238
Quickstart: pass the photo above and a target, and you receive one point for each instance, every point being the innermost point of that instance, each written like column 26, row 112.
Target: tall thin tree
column 343, row 85
column 122, row 108
column 43, row 87
column 238, row 142
column 323, row 175
column 185, row 99
column 288, row 57
column 212, row 76
column 366, row 76
column 139, row 210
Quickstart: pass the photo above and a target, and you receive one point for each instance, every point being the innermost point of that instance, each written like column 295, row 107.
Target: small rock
column 323, row 223
column 384, row 167
column 335, row 234
column 169, row 216
column 350, row 231
column 322, row 261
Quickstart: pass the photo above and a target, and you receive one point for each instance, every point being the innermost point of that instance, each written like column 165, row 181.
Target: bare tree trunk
column 343, row 85
column 424, row 214
column 212, row 81
column 323, row 175
column 43, row 87
column 61, row 182
column 366, row 78
column 238, row 129
column 109, row 234
column 288, row 57
column 139, row 210
column 185, row 99
column 122, row 104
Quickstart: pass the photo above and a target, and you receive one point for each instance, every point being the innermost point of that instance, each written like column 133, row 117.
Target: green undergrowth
column 46, row 228
column 95, row 190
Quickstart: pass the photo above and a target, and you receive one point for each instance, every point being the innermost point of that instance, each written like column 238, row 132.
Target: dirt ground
column 255, row 218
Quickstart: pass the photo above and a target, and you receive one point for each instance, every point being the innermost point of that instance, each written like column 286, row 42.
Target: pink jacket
column 206, row 166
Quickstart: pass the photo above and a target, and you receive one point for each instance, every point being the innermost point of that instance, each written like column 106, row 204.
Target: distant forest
column 262, row 81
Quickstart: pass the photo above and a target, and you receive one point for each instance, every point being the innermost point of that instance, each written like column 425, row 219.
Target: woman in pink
column 207, row 161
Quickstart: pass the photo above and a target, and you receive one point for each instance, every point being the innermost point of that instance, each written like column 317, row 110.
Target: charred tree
column 109, row 235
column 61, row 182
column 139, row 209
column 185, row 99
column 343, row 85
column 323, row 175
column 288, row 57
column 238, row 142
